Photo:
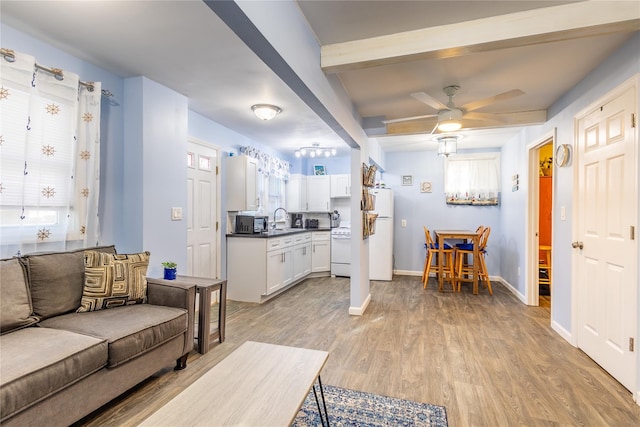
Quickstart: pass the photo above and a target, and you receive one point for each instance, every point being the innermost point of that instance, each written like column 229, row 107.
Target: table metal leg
column 324, row 403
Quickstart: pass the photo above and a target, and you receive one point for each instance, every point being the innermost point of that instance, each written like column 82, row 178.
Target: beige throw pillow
column 113, row 280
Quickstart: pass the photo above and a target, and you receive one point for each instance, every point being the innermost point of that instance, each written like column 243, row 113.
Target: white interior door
column 202, row 211
column 606, row 219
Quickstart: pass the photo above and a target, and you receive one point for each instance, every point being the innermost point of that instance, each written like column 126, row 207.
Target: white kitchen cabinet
column 301, row 255
column 259, row 268
column 279, row 263
column 320, row 251
column 242, row 183
column 318, row 193
column 340, row 185
column 297, row 193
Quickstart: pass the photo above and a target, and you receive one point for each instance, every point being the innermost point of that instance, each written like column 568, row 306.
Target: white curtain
column 49, row 159
column 473, row 180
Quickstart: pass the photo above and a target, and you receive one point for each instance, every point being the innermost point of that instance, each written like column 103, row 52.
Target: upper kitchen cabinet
column 242, row 183
column 318, row 193
column 297, row 193
column 340, row 185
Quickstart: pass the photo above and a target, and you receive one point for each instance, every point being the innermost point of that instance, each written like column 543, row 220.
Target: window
column 472, row 179
column 49, row 158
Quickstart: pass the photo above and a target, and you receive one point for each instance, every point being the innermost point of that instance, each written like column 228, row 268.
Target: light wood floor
column 491, row 361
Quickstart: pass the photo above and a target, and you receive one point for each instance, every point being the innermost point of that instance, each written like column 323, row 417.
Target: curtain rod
column 10, row 56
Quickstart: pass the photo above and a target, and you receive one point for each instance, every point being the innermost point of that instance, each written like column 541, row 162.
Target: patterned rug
column 357, row 408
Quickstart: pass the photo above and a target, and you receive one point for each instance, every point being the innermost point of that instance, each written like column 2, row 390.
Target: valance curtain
column 268, row 165
column 472, row 180
column 49, row 159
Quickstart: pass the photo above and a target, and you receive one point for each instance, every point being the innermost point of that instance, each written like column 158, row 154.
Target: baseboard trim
column 509, row 286
column 359, row 311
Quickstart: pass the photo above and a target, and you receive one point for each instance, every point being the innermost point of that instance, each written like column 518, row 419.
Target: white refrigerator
column 381, row 243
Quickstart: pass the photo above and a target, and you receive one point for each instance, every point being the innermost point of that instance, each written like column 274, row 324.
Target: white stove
column 341, row 250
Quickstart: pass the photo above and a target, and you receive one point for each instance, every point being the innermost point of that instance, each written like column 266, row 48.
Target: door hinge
column 217, row 171
column 631, row 344
column 632, row 232
column 217, row 225
column 633, row 120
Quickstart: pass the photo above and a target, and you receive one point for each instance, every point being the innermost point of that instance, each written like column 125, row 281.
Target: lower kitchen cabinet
column 259, row 268
column 321, row 251
column 279, row 268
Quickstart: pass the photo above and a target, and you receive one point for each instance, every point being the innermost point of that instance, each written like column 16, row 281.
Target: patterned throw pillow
column 112, row 280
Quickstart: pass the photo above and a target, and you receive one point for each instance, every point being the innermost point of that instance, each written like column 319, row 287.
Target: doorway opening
column 539, row 278
column 545, row 209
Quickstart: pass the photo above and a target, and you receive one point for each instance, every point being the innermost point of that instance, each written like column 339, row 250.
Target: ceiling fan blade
column 485, row 117
column 434, row 129
column 471, row 106
column 406, row 119
column 429, row 100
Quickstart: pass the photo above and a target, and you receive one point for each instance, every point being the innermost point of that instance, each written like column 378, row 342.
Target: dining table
column 466, row 236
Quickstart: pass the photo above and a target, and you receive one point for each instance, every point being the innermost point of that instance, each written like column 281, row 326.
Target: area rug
column 356, row 408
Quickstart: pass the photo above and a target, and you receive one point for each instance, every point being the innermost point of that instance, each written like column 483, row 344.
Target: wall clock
column 563, row 153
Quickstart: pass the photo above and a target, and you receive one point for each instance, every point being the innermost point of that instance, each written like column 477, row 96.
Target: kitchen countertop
column 279, row 233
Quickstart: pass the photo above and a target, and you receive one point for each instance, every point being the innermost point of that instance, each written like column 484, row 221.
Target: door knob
column 579, row 245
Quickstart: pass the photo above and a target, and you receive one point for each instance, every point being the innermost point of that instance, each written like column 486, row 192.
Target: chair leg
column 427, row 268
column 485, row 273
column 452, row 274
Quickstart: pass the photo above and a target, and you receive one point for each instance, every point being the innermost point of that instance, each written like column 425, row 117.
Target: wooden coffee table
column 257, row 385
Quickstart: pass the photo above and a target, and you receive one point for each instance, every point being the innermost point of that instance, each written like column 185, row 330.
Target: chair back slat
column 484, row 238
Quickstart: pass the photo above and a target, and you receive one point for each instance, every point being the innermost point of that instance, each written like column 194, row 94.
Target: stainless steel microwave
column 250, row 224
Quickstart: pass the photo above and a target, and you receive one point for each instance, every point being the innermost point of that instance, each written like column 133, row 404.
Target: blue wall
column 430, row 209
column 150, row 151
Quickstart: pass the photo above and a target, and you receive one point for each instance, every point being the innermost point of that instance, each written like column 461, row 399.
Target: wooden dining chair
column 432, row 249
column 465, row 250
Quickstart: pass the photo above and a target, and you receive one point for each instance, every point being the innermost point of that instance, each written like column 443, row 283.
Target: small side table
column 204, row 287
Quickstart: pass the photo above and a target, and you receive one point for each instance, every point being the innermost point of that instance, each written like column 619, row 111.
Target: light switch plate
column 403, row 223
column 176, row 214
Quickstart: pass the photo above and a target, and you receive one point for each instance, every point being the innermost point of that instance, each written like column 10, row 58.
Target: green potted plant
column 170, row 270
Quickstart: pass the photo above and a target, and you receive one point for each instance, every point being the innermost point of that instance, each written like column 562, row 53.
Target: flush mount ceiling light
column 315, row 151
column 449, row 120
column 266, row 111
column 448, row 145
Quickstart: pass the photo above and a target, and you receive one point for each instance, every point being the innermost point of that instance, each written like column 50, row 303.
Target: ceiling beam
column 551, row 24
column 523, row 118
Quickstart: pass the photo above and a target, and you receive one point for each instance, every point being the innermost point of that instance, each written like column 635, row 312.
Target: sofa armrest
column 175, row 293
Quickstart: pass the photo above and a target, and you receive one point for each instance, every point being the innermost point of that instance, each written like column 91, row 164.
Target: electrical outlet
column 563, row 213
column 403, row 223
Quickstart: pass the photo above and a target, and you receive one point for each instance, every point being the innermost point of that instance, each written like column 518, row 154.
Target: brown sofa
column 58, row 365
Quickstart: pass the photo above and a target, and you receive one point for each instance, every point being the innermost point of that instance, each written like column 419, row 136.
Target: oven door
column 341, row 255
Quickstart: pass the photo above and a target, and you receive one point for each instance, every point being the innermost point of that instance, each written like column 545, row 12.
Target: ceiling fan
column 450, row 117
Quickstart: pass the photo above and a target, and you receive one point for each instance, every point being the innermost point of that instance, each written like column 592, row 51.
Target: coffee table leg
column 324, row 403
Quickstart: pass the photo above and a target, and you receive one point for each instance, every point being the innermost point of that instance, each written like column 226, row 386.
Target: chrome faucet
column 285, row 213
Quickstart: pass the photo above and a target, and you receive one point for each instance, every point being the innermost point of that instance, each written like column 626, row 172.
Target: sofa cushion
column 15, row 301
column 113, row 280
column 130, row 330
column 37, row 362
column 56, row 280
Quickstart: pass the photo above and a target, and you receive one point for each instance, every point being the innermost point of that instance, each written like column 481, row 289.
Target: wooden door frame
column 218, row 211
column 533, row 215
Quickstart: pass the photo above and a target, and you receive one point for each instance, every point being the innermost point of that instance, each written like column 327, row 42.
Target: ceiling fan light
column 447, row 146
column 297, row 154
column 312, row 153
column 327, row 153
column 333, row 151
column 449, row 125
column 266, row 111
